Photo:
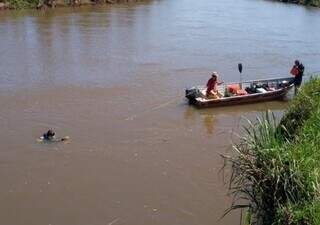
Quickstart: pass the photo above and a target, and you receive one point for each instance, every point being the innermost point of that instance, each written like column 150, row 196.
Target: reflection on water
column 189, row 113
column 208, row 123
column 216, row 119
column 112, row 78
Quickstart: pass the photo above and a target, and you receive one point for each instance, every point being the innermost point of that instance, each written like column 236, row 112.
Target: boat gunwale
column 252, row 81
column 225, row 99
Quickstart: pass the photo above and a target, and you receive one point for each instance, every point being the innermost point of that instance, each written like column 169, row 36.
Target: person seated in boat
column 50, row 136
column 297, row 71
column 212, row 86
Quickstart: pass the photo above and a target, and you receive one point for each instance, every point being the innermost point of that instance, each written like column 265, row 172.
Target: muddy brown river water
column 113, row 78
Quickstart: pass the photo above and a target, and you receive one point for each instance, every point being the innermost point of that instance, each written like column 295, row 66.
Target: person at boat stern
column 212, row 86
column 297, row 71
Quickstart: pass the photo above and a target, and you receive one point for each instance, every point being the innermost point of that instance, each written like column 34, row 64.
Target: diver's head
column 50, row 134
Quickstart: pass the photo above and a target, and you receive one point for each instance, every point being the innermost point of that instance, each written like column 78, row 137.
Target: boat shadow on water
column 229, row 118
column 274, row 105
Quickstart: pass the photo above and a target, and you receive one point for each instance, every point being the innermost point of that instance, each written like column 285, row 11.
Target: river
column 113, row 78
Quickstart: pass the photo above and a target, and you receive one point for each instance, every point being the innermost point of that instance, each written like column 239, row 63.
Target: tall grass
column 276, row 169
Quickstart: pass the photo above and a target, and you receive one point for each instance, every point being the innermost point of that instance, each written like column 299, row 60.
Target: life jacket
column 295, row 71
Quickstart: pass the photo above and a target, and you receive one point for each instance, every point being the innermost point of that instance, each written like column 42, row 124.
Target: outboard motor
column 192, row 93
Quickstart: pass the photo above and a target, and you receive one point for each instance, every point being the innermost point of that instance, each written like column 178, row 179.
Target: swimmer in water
column 50, row 136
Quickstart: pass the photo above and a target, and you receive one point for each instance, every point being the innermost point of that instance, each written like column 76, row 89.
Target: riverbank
column 43, row 4
column 315, row 3
column 276, row 168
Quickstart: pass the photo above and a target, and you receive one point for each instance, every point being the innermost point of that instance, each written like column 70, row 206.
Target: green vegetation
column 276, row 169
column 39, row 4
column 20, row 4
column 304, row 2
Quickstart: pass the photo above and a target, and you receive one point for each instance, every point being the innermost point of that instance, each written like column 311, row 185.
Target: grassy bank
column 276, row 169
column 18, row 4
column 315, row 3
column 24, row 4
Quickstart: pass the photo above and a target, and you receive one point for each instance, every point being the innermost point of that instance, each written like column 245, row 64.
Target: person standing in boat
column 212, row 86
column 297, row 71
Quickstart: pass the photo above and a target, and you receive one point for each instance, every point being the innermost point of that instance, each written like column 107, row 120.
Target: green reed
column 276, row 169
